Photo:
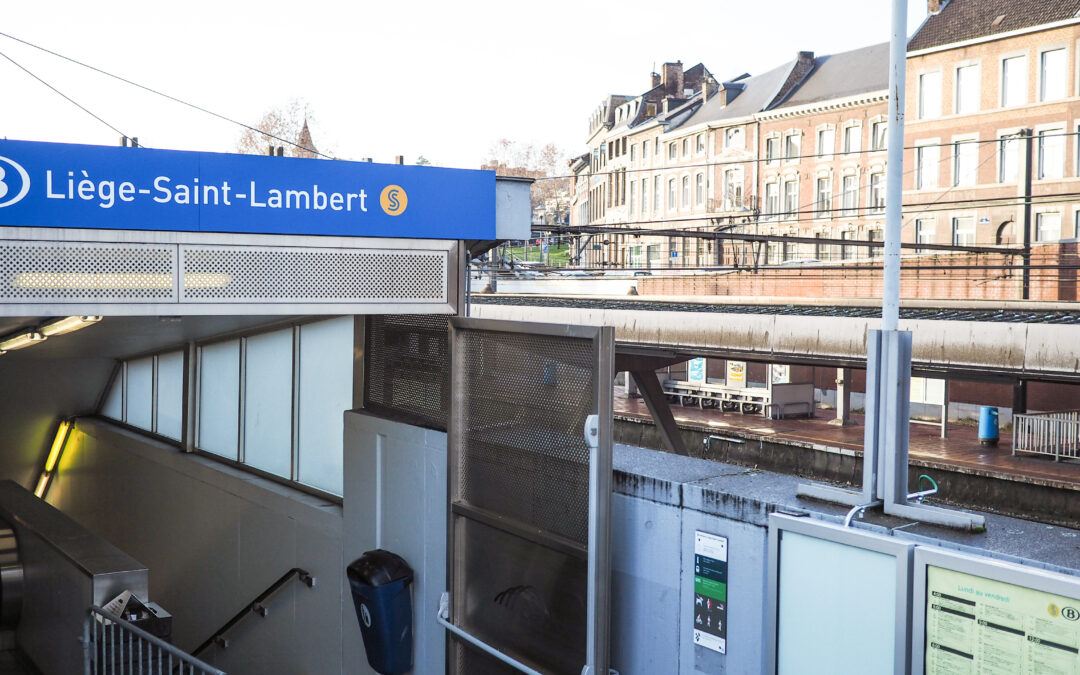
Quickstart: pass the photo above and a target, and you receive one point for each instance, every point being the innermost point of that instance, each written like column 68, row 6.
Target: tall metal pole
column 894, row 176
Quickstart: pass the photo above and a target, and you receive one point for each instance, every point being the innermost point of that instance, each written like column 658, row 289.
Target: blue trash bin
column 988, row 425
column 381, row 585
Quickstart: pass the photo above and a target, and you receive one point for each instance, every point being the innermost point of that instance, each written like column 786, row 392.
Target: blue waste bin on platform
column 988, row 425
column 381, row 585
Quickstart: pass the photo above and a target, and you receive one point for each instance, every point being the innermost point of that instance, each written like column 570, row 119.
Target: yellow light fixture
column 68, row 325
column 107, row 281
column 20, row 341
column 42, row 485
column 58, row 443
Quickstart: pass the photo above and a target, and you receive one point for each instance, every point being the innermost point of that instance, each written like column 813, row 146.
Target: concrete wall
column 213, row 538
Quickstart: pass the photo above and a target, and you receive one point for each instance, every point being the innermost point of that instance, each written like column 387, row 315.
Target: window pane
column 170, row 395
column 1048, row 227
column 140, row 393
column 929, row 95
column 268, row 402
column 1053, row 75
column 1051, row 155
column 114, row 402
column 967, row 89
column 326, row 369
column 219, row 398
column 1014, row 81
column 1009, row 160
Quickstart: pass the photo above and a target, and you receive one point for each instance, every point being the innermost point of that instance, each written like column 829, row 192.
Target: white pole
column 890, row 296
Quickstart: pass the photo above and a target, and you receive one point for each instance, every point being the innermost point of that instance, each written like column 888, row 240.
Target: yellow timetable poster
column 981, row 626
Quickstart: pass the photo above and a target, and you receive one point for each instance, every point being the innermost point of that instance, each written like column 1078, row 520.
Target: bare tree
column 546, row 164
column 283, row 126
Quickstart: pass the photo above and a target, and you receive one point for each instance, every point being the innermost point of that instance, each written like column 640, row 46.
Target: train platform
column 959, row 452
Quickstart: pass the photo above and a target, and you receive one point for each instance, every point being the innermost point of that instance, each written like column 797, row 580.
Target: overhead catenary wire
column 152, row 91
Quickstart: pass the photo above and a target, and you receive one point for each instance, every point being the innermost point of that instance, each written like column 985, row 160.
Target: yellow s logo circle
column 393, row 200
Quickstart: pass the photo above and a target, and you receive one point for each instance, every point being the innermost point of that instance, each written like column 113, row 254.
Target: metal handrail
column 256, row 606
column 183, row 659
column 1052, row 433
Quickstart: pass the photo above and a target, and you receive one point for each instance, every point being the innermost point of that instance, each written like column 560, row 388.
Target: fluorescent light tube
column 20, row 341
column 68, row 325
column 57, row 445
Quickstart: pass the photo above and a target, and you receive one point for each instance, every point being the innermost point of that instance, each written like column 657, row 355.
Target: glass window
column 219, row 398
column 824, row 197
column 633, row 153
column 644, row 195
column 792, row 143
column 326, row 357
column 644, row 149
column 733, row 138
column 114, row 401
column 963, row 231
column 140, row 393
column 1047, row 227
column 686, row 147
column 878, row 135
column 772, row 149
column 853, row 139
column 926, row 166
column 851, row 196
column 1051, row 154
column 877, row 192
column 268, row 390
column 772, row 199
column 699, row 189
column 733, row 189
column 847, row 252
column 1014, row 81
column 791, row 199
column 672, row 150
column 826, row 142
column 1008, row 159
column 671, row 204
column 965, row 163
column 700, row 143
column 924, row 232
column 686, row 191
column 877, row 234
column 170, row 395
column 1052, row 75
column 930, row 95
column 967, row 89
column 633, row 195
column 656, row 193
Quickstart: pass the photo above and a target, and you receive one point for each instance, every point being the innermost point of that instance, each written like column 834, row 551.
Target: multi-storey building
column 800, row 150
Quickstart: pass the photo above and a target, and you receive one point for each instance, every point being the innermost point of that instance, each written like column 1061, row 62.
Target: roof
column 961, row 20
column 758, row 91
column 846, row 74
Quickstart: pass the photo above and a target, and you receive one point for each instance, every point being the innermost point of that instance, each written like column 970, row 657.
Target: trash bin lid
column 378, row 568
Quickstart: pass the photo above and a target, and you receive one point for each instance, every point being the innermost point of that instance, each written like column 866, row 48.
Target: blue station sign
column 88, row 186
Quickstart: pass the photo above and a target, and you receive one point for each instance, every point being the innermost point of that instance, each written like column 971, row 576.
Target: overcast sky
column 438, row 79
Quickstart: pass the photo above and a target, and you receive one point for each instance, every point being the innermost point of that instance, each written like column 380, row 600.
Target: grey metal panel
column 66, row 570
column 900, row 550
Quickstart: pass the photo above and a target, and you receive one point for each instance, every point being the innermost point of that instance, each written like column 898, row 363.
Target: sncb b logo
column 393, row 200
column 14, row 182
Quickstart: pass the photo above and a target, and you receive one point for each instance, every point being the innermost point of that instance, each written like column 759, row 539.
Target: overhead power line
column 156, row 92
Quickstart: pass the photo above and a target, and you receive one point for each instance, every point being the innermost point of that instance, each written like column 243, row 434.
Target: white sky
column 410, row 77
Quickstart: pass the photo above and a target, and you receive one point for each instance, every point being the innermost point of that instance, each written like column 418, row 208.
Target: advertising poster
column 710, row 591
column 695, row 370
column 736, row 373
column 978, row 625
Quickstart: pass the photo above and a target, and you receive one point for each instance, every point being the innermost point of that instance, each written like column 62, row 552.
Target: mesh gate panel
column 82, row 272
column 520, row 495
column 408, row 368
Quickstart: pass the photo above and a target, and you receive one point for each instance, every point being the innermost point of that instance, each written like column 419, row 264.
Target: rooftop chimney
column 655, row 80
column 673, row 79
column 708, row 88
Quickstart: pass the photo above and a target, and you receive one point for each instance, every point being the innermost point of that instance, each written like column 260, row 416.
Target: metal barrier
column 113, row 645
column 1056, row 433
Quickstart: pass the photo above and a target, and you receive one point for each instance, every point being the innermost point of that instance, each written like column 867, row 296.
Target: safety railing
column 113, row 646
column 1056, row 434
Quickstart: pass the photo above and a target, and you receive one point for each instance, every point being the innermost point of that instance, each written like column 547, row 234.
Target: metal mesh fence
column 408, row 368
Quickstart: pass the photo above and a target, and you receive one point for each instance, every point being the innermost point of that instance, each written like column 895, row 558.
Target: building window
column 877, row 192
column 633, row 152
column 733, row 189
column 772, row 199
column 826, row 142
column 699, row 189
column 1008, row 158
column 672, row 150
column 930, row 95
column 878, row 135
column 791, row 199
column 965, row 163
column 924, row 232
column 772, row 149
column 1014, row 79
column 853, row 139
column 644, row 150
column 699, row 143
column 847, row 252
column 671, row 203
column 1052, row 79
column 963, row 231
column 823, row 204
column 926, row 166
column 1052, row 153
column 733, row 138
column 1047, row 227
column 792, row 144
column 850, row 196
column 967, row 89
column 633, row 195
column 656, row 194
column 686, row 192
column 685, row 148
column 644, row 195
column 876, row 234
column 820, row 250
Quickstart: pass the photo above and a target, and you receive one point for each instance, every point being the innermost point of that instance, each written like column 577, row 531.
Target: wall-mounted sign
column 710, row 591
column 695, row 370
column 980, row 625
column 87, row 186
column 780, row 373
column 736, row 374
